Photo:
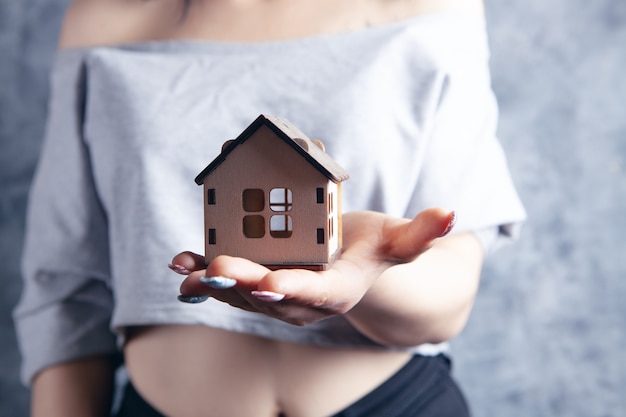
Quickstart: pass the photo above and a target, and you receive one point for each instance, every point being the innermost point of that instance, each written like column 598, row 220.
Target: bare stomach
column 199, row 371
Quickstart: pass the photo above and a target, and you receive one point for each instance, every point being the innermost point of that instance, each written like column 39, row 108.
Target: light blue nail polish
column 219, row 283
column 193, row 299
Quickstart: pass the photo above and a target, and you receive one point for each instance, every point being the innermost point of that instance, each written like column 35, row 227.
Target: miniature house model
column 273, row 196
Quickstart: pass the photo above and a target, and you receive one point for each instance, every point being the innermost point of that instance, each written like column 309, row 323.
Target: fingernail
column 269, row 296
column 179, row 269
column 193, row 299
column 450, row 225
column 219, row 283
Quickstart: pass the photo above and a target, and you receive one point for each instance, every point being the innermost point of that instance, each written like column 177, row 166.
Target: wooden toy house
column 273, row 196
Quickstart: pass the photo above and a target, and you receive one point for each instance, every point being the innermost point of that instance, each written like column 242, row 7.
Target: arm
column 393, row 281
column 78, row 388
column 65, row 309
column 93, row 22
column 442, row 284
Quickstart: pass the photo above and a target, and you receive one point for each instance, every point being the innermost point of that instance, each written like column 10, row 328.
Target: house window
column 320, row 236
column 331, row 217
column 253, row 199
column 331, row 207
column 211, row 196
column 254, row 226
column 281, row 226
column 331, row 227
column 212, row 237
column 320, row 196
column 281, row 199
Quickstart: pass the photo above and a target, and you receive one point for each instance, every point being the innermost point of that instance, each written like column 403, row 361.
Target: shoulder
column 104, row 22
column 409, row 8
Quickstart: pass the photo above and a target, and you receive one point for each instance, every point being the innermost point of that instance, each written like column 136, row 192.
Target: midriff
column 200, row 371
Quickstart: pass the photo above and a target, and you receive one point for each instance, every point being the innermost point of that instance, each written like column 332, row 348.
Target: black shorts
column 423, row 387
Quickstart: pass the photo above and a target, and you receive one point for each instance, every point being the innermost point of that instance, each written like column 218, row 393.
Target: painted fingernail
column 193, row 299
column 269, row 296
column 219, row 283
column 450, row 225
column 179, row 269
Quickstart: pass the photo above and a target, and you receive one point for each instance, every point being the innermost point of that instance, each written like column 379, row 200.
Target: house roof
column 292, row 136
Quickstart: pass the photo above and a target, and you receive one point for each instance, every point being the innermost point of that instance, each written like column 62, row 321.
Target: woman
column 144, row 93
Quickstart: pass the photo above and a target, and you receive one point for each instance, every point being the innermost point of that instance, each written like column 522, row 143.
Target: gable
column 293, row 137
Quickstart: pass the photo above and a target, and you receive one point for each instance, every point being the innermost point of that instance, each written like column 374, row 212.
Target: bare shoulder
column 104, row 22
column 408, row 8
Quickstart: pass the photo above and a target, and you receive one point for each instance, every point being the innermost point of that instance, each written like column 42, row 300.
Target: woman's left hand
column 372, row 242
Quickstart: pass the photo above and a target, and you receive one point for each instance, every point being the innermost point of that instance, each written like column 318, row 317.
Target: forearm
column 425, row 301
column 79, row 388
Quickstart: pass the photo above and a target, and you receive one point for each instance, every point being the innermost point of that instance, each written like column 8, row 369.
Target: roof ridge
column 290, row 134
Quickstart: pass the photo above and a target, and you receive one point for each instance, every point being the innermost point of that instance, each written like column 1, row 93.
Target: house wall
column 265, row 162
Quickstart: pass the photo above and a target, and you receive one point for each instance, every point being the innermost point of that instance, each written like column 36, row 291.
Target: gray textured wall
column 548, row 334
column 28, row 30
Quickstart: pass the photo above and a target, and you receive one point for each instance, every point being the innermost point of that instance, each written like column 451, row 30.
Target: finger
column 227, row 279
column 235, row 299
column 305, row 286
column 245, row 274
column 186, row 262
column 298, row 297
column 335, row 290
column 194, row 289
column 404, row 241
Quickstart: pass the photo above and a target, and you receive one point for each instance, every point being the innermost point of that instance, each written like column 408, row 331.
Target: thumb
column 404, row 241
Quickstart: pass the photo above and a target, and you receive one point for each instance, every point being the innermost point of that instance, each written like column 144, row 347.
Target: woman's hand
column 372, row 242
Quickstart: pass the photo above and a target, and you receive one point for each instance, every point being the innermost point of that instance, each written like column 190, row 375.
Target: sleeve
column 66, row 303
column 465, row 168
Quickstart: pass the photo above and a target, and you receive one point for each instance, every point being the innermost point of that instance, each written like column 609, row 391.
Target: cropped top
column 406, row 108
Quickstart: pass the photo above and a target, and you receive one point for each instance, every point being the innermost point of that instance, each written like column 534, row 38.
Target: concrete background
column 548, row 333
